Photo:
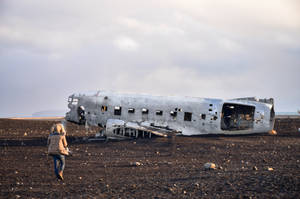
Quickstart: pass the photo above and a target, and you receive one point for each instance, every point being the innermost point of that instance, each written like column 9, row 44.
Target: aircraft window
column 131, row 110
column 173, row 113
column 187, row 116
column 145, row 111
column 159, row 112
column 74, row 101
column 203, row 116
column 118, row 110
column 104, row 108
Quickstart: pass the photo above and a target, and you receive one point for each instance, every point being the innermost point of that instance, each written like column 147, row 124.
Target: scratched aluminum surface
column 93, row 103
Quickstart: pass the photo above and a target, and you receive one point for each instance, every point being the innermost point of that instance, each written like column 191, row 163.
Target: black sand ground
column 170, row 167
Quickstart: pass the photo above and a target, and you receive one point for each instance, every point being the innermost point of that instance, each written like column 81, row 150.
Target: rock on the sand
column 209, row 165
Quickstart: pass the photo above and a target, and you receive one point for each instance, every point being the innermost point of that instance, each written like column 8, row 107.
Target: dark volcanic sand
column 170, row 167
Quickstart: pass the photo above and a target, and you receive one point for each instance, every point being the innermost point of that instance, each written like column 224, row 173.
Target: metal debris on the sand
column 270, row 169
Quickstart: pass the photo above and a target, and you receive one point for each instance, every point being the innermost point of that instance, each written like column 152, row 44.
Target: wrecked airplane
column 136, row 115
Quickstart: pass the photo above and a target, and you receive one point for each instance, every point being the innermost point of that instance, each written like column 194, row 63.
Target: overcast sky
column 203, row 48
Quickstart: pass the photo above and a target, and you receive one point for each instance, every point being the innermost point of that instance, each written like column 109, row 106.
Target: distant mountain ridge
column 50, row 113
column 287, row 113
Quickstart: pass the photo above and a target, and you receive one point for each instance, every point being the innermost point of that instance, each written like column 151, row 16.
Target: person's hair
column 58, row 128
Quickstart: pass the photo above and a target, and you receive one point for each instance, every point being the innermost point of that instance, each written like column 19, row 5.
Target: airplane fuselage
column 187, row 115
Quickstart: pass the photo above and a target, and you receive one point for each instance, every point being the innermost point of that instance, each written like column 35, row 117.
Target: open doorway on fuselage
column 237, row 117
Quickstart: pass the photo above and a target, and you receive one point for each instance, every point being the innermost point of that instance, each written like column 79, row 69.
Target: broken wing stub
column 126, row 130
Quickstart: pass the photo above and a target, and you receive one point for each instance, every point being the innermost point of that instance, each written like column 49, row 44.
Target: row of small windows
column 118, row 111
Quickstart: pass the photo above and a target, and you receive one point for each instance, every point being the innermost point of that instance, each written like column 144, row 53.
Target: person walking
column 57, row 148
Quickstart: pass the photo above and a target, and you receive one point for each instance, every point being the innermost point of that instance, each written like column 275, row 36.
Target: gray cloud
column 50, row 49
